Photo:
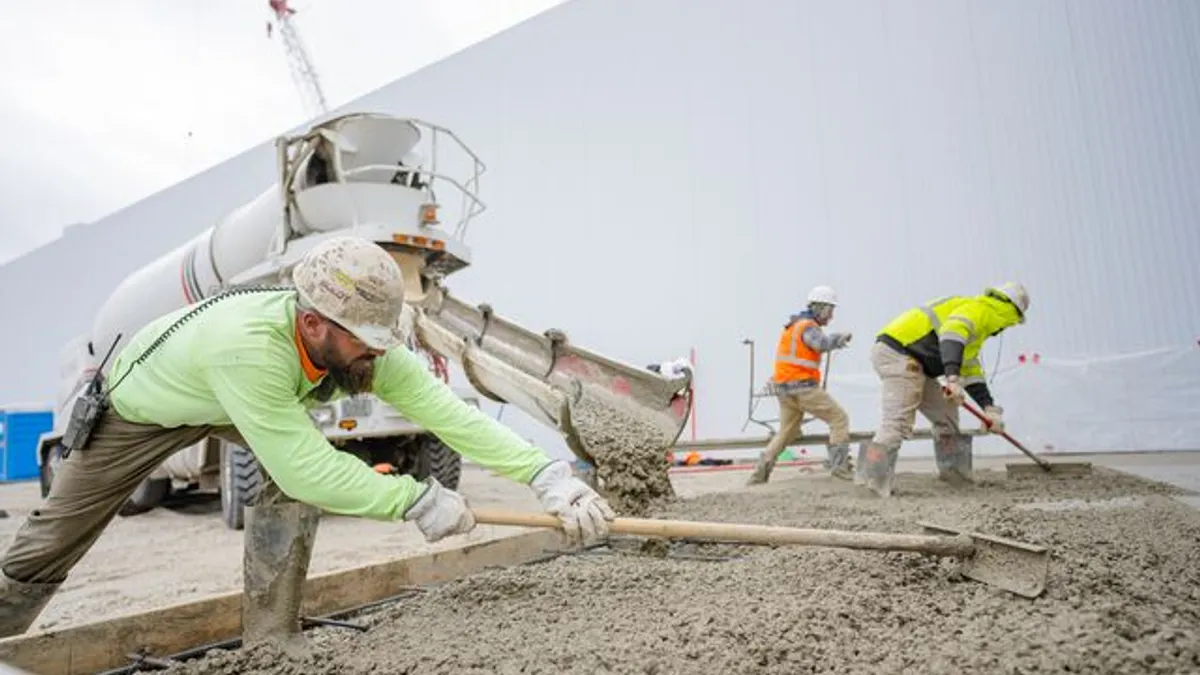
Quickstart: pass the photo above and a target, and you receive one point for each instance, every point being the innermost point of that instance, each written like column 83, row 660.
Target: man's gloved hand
column 995, row 417
column 583, row 512
column 440, row 512
column 840, row 340
column 953, row 390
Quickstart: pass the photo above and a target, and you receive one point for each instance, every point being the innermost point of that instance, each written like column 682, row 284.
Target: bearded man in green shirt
column 247, row 367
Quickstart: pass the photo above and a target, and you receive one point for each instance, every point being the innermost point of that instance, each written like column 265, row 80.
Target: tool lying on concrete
column 1062, row 468
column 1014, row 566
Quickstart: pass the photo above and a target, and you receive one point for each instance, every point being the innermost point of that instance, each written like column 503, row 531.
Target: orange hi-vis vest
column 794, row 359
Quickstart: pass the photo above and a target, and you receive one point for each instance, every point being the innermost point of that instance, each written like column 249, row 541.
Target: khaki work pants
column 90, row 487
column 906, row 390
column 792, row 407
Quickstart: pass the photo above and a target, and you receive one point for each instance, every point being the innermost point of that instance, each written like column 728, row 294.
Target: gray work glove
column 995, row 418
column 840, row 340
column 952, row 389
column 583, row 512
column 440, row 512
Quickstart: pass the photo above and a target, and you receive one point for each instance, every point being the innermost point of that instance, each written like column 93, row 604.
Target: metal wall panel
column 666, row 174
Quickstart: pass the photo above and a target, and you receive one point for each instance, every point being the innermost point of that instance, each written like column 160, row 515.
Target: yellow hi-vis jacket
column 947, row 334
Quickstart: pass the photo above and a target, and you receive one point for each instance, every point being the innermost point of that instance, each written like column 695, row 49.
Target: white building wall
column 671, row 174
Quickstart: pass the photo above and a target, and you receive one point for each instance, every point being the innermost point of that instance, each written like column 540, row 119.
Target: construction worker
column 925, row 359
column 246, row 367
column 797, row 385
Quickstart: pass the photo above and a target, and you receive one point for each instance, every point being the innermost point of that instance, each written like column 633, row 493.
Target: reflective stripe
column 974, row 379
column 928, row 310
column 967, row 322
column 953, row 337
column 791, row 357
column 933, row 317
column 970, row 363
column 796, row 360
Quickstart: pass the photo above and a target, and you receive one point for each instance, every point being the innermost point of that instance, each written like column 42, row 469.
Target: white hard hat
column 823, row 294
column 1015, row 293
column 356, row 283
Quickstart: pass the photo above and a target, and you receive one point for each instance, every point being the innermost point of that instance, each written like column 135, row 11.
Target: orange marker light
column 429, row 214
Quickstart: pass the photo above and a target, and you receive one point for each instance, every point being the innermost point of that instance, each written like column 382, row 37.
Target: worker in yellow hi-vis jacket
column 926, row 358
column 247, row 366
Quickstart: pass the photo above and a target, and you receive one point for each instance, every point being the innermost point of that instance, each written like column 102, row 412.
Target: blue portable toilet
column 20, row 427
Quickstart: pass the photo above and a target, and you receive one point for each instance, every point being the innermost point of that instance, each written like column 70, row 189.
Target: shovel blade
column 1065, row 469
column 1007, row 564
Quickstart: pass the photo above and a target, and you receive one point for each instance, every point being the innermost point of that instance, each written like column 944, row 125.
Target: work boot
column 953, row 454
column 21, row 603
column 840, row 465
column 278, row 546
column 877, row 465
column 762, row 470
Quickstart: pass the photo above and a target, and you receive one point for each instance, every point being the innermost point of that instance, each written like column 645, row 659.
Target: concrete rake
column 1013, row 566
column 1042, row 466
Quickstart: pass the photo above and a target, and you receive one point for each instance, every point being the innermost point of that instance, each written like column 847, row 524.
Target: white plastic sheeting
column 1143, row 400
column 1140, row 401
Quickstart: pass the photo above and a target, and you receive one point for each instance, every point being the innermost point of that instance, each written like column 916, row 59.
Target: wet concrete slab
column 1181, row 469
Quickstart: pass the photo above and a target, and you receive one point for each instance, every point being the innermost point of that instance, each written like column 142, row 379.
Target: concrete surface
column 169, row 556
column 1119, row 593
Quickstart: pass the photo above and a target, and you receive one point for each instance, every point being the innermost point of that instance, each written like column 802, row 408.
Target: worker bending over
column 246, row 367
column 797, row 385
column 941, row 339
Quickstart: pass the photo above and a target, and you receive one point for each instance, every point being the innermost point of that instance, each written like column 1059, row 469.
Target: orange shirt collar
column 312, row 372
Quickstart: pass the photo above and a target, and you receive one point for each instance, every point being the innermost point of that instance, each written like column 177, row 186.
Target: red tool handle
column 988, row 423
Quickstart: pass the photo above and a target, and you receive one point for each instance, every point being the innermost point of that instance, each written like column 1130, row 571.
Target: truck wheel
column 437, row 459
column 241, row 481
column 49, row 464
column 148, row 494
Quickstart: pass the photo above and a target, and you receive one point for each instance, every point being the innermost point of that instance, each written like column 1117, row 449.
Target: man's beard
column 356, row 377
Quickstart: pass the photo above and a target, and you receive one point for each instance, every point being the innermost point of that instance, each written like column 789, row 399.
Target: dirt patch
column 1123, row 595
column 631, row 458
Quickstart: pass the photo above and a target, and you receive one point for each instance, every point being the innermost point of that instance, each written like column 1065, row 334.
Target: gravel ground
column 1123, row 594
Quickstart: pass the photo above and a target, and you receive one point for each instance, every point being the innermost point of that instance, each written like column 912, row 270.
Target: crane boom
column 304, row 74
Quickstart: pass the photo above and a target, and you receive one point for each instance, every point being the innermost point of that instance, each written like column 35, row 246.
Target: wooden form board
column 102, row 645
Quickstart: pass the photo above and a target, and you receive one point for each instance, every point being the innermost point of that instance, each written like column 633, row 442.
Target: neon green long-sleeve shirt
column 239, row 362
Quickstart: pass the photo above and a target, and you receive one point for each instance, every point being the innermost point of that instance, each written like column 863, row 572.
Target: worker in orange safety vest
column 797, row 385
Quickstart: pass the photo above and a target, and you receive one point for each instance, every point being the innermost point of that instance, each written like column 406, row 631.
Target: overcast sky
column 104, row 103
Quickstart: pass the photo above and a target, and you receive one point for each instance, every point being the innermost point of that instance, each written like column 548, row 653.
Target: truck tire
column 437, row 459
column 148, row 494
column 241, row 481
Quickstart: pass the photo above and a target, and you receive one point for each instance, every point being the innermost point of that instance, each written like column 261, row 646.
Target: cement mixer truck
column 376, row 176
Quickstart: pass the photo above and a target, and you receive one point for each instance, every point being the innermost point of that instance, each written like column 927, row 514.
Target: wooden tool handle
column 748, row 534
column 988, row 423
